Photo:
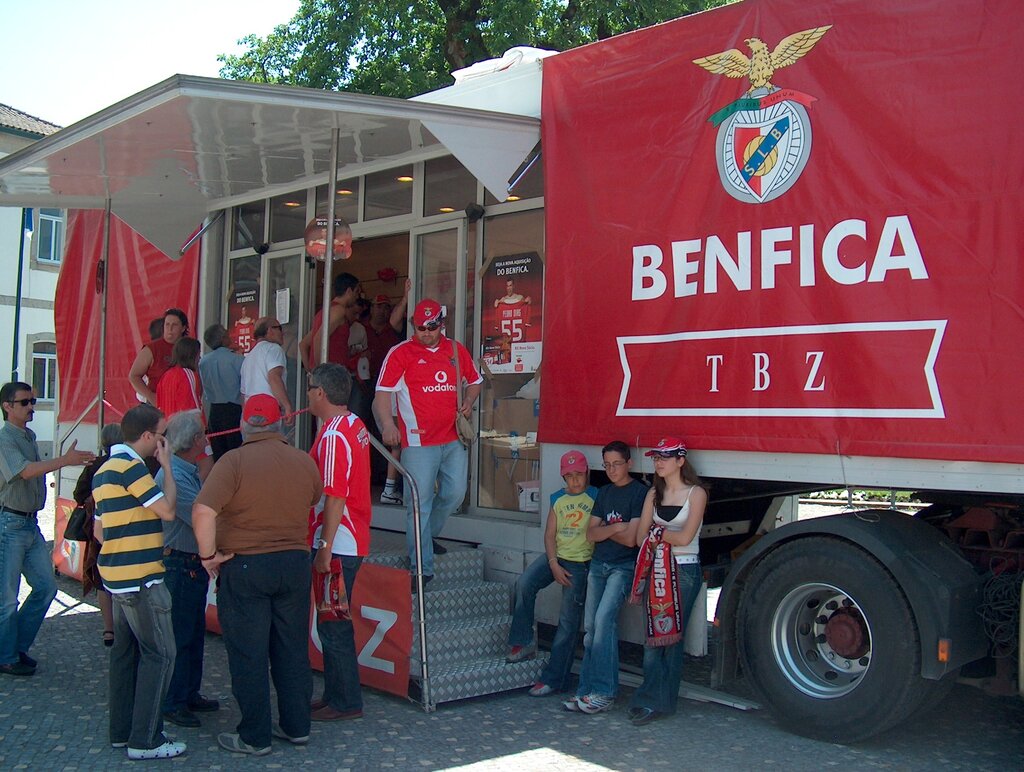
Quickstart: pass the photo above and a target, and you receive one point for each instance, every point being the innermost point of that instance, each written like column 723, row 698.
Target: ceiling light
column 292, row 203
column 344, row 192
column 446, row 209
column 404, row 178
column 512, row 198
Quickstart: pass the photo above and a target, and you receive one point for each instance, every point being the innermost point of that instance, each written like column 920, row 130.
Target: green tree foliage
column 405, row 48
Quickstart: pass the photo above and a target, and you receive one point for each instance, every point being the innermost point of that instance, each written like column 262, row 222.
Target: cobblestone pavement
column 57, row 720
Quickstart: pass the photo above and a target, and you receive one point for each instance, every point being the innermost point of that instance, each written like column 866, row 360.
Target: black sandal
column 108, row 638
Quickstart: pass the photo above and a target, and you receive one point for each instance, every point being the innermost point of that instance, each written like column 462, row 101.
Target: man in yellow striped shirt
column 129, row 510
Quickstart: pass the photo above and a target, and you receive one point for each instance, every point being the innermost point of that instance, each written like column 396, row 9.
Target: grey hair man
column 184, row 575
column 263, row 368
column 255, row 504
column 221, row 373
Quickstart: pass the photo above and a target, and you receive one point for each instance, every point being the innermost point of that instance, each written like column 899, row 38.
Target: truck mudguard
column 942, row 588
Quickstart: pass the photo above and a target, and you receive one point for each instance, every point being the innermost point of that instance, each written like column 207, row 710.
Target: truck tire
column 829, row 641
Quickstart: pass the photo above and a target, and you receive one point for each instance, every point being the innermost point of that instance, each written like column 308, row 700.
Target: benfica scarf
column 654, row 582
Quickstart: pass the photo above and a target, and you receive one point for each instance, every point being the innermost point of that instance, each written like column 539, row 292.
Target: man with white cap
column 421, row 372
column 566, row 560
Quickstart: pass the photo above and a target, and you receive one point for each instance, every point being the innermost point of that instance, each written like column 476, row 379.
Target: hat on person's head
column 573, row 461
column 668, row 447
column 381, row 300
column 261, row 410
column 427, row 312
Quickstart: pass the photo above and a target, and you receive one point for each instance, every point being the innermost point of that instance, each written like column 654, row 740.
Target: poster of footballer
column 513, row 294
column 244, row 302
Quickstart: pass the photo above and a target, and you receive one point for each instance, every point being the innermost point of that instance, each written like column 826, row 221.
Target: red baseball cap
column 260, row 410
column 573, row 461
column 427, row 312
column 668, row 446
column 381, row 300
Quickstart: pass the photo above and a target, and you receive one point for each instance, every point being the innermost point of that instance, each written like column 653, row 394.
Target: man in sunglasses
column 263, row 369
column 22, row 546
column 421, row 372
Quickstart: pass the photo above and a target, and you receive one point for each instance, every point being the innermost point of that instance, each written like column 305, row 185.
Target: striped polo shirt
column 133, row 538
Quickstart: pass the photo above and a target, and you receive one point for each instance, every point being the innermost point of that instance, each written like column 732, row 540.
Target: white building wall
column 38, row 288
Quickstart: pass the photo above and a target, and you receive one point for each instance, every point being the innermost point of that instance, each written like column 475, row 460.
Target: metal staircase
column 467, row 622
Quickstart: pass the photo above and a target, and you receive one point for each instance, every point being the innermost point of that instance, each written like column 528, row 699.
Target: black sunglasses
column 428, row 327
column 23, row 402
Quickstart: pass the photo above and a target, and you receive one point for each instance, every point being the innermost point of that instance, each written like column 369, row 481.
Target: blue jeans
column 141, row 662
column 663, row 665
column 607, row 588
column 187, row 582
column 447, row 466
column 22, row 552
column 263, row 606
column 558, row 672
column 338, row 640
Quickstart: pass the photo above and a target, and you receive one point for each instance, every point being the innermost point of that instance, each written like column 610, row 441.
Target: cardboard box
column 512, row 414
column 504, row 462
column 529, row 495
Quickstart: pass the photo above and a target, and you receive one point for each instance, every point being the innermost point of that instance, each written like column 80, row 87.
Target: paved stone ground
column 57, row 720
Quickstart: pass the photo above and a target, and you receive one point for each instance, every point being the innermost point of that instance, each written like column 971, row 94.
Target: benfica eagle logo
column 764, row 138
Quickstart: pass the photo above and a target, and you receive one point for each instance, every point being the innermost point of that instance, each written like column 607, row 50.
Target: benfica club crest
column 764, row 138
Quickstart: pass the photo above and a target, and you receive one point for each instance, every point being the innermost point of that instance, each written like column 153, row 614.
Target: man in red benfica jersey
column 421, row 374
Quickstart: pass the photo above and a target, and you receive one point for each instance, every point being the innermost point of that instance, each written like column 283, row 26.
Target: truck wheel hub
column 845, row 634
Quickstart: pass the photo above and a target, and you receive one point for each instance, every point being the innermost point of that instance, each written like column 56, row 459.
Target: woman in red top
column 154, row 359
column 180, row 388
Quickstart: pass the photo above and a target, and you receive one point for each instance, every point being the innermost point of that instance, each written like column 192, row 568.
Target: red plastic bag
column 329, row 594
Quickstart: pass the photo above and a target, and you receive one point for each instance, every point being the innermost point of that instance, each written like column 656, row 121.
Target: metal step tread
column 474, row 678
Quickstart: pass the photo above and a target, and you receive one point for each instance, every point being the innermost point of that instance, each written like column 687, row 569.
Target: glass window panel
column 283, row 277
column 448, row 186
column 389, row 193
column 530, row 186
column 249, row 220
column 346, row 204
column 287, row 217
column 46, row 240
column 438, row 259
column 509, row 457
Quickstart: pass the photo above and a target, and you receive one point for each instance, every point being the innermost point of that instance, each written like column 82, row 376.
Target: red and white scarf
column 654, row 582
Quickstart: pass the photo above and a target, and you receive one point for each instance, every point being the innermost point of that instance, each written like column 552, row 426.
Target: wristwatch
column 320, row 543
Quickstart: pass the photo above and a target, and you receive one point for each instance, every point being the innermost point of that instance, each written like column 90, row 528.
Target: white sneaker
column 166, row 751
column 595, row 703
column 394, row 498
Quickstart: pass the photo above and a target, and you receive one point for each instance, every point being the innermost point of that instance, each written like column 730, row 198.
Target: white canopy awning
column 170, row 155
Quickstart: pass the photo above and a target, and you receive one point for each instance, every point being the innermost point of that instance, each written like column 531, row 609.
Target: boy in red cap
column 421, row 373
column 566, row 561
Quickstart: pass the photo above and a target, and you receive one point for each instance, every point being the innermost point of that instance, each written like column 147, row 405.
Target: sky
column 63, row 60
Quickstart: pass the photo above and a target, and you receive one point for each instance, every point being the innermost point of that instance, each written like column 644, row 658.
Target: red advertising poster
column 243, row 301
column 512, row 291
column 800, row 232
column 382, row 616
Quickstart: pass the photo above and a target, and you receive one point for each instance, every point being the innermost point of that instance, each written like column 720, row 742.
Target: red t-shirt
column 161, row 351
column 378, row 344
column 337, row 344
column 179, row 389
column 342, row 453
column 511, row 318
column 423, row 380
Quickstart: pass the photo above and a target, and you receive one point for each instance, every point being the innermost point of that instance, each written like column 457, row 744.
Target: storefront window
column 438, row 262
column 243, row 301
column 530, row 186
column 511, row 307
column 287, row 217
column 346, row 203
column 447, row 186
column 389, row 193
column 249, row 220
column 283, row 278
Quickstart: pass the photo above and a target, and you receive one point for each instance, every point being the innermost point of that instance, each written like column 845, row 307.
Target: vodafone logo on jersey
column 442, row 383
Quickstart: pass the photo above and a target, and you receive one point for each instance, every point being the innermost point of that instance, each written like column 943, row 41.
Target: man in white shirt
column 264, row 366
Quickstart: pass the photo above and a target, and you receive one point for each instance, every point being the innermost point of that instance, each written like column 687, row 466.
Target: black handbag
column 75, row 530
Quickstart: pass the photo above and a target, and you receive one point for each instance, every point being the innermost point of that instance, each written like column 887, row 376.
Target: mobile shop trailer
column 785, row 233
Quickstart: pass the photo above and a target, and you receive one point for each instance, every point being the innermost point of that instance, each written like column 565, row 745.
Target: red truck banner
column 790, row 227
